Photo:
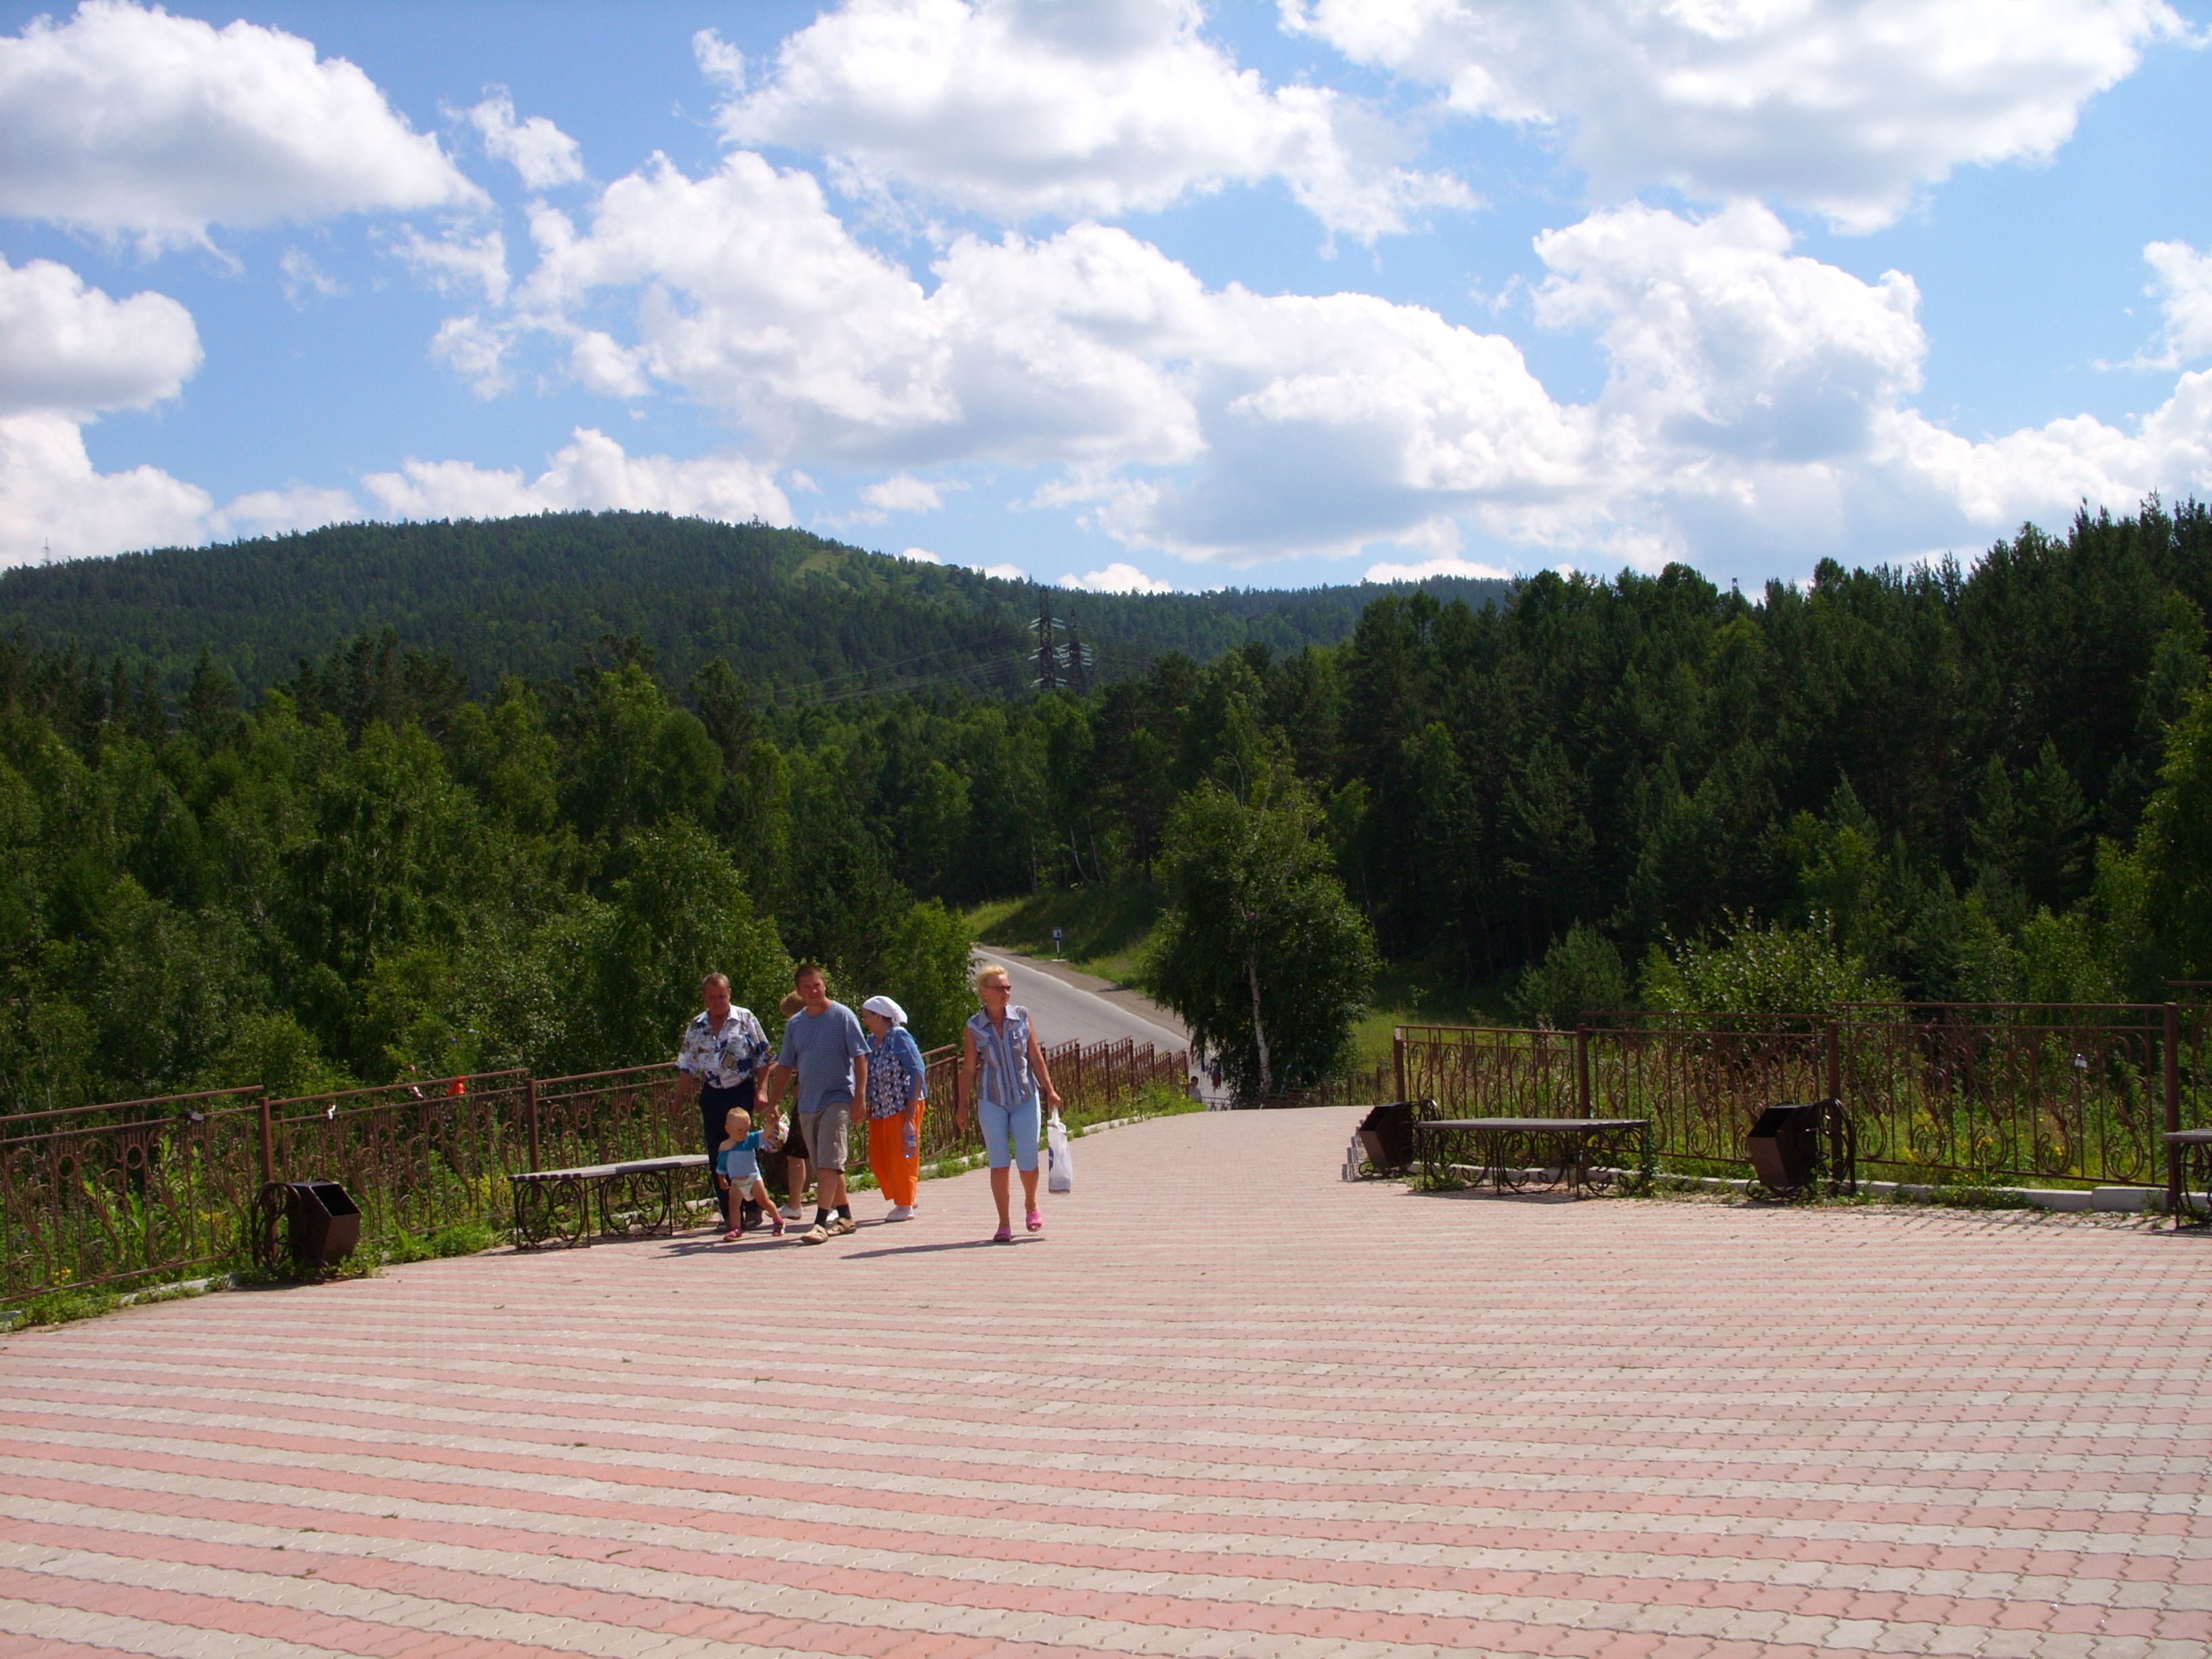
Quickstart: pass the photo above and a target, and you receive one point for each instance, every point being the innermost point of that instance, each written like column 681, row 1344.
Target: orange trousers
column 897, row 1170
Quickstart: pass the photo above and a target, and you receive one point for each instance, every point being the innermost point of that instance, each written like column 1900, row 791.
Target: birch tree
column 1259, row 950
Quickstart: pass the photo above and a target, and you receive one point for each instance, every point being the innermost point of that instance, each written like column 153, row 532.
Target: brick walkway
column 1289, row 1417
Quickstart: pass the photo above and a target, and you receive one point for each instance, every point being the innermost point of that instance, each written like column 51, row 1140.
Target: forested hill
column 791, row 611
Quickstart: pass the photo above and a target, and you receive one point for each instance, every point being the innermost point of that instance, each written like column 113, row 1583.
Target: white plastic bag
column 1061, row 1178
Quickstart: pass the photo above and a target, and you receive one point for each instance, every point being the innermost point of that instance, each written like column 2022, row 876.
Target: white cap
column 884, row 1005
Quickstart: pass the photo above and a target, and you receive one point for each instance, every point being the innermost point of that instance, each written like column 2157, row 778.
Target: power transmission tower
column 1079, row 661
column 1047, row 653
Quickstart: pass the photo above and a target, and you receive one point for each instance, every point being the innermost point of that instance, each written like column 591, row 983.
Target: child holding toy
column 737, row 1172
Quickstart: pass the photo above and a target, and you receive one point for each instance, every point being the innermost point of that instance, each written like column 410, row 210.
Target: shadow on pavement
column 931, row 1249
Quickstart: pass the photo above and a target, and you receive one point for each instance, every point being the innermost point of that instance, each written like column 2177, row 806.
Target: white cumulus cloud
column 1845, row 107
column 1443, row 564
column 456, row 261
column 1006, row 573
column 1760, row 403
column 66, row 352
column 904, row 493
column 475, row 349
column 129, row 120
column 536, row 148
column 921, row 556
column 71, row 349
column 52, row 500
column 1024, row 108
column 593, row 472
column 2183, row 290
column 273, row 511
column 607, row 367
column 1116, row 578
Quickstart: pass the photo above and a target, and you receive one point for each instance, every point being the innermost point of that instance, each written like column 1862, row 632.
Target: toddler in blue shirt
column 736, row 1171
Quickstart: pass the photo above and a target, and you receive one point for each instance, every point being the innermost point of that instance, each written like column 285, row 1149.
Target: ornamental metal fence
column 1967, row 1094
column 418, row 1157
column 146, row 1189
column 96, row 1194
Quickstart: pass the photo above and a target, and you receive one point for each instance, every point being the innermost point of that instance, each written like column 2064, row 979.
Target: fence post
column 530, row 1104
column 1582, row 1069
column 1832, row 1040
column 1397, row 1061
column 268, row 1142
column 2173, row 1110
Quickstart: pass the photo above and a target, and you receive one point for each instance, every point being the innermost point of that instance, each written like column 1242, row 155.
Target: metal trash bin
column 1387, row 1134
column 1785, row 1146
column 323, row 1221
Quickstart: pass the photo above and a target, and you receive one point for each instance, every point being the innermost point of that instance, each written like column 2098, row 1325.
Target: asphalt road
column 1069, row 1005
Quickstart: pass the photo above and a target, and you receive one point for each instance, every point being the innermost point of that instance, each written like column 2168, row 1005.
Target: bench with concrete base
column 1522, row 1154
column 2191, row 1152
column 636, row 1199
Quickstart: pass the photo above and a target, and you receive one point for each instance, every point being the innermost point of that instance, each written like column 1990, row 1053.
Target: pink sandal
column 1003, row 1236
column 1037, row 1221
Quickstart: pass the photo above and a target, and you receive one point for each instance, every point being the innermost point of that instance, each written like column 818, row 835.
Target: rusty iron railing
column 96, row 1195
column 610, row 1117
column 2012, row 1094
column 418, row 1156
column 1095, row 1082
column 2021, row 1092
column 1704, row 1080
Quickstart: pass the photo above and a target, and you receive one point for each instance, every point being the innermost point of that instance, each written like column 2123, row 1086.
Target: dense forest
column 1942, row 782
column 798, row 616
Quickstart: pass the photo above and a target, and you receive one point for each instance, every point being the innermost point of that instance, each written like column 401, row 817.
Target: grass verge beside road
column 1104, row 929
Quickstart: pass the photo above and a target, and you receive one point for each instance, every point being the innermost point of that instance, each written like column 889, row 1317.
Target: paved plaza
column 1226, row 1405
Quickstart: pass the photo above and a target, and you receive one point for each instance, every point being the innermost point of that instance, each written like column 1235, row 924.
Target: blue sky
column 1115, row 294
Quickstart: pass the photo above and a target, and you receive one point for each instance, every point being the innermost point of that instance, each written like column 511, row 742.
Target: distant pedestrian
column 721, row 1057
column 826, row 1053
column 898, row 1087
column 1002, row 1071
column 737, row 1173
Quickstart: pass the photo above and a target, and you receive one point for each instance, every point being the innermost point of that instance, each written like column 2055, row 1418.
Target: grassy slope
column 1105, row 927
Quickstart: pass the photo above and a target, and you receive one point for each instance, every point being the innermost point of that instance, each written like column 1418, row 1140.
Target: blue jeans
column 1002, row 1124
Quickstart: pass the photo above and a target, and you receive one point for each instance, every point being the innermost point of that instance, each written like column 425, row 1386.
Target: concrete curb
column 2109, row 1200
column 15, row 1317
column 2112, row 1200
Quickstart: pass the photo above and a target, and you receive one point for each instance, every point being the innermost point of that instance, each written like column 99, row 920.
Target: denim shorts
column 1002, row 1124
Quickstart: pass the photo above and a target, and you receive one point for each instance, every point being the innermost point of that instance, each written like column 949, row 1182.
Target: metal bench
column 2191, row 1152
column 635, row 1199
column 1535, row 1154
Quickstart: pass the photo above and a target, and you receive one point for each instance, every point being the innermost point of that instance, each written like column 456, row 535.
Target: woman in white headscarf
column 898, row 1085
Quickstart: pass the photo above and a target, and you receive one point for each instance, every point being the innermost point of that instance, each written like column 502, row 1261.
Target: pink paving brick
column 1225, row 1400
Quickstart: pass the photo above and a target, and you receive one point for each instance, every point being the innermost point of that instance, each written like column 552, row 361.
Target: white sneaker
column 899, row 1212
column 792, row 1213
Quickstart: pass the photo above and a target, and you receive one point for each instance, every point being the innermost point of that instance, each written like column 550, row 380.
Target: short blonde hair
column 991, row 970
column 737, row 1111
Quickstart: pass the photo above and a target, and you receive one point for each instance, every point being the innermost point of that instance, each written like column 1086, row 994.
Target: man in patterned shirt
column 722, row 1052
